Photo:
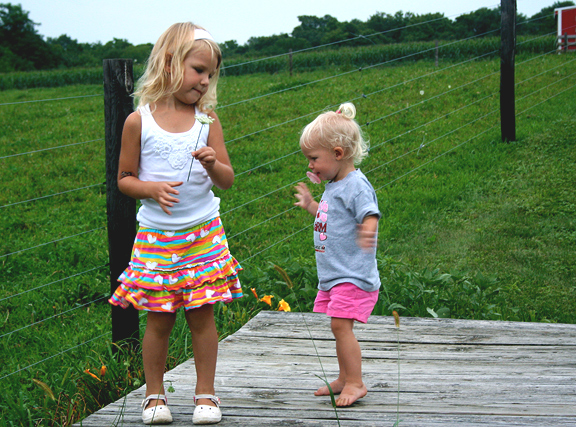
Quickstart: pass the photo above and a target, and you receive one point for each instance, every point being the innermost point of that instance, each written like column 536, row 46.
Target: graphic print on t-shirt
column 321, row 223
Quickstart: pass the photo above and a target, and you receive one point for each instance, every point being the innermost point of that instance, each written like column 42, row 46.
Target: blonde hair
column 337, row 129
column 169, row 52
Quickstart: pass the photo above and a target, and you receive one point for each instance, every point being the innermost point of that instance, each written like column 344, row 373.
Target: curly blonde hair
column 169, row 52
column 337, row 129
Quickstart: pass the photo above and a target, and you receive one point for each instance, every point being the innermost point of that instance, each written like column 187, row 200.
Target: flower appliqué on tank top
column 176, row 150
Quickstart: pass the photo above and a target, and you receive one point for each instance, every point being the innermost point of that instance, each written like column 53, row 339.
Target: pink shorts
column 346, row 301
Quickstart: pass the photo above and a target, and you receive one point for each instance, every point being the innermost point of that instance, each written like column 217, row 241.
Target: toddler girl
column 345, row 237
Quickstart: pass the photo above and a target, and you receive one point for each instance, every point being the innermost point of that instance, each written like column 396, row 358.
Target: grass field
column 472, row 227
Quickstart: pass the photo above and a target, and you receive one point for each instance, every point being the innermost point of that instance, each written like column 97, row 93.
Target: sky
column 142, row 21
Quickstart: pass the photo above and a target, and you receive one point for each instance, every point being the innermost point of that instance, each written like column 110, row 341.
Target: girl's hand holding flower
column 206, row 156
column 207, row 159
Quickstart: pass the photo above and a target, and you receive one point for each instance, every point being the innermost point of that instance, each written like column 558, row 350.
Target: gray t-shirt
column 339, row 259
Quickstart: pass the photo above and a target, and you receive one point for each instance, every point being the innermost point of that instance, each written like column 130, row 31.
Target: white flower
column 205, row 120
column 421, row 92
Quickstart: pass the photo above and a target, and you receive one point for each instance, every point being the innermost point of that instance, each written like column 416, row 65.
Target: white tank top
column 166, row 156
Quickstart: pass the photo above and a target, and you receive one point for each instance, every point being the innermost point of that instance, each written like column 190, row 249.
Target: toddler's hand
column 206, row 156
column 162, row 192
column 304, row 196
column 366, row 237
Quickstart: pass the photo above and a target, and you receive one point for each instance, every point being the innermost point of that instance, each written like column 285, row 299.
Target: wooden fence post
column 436, row 54
column 121, row 209
column 507, row 54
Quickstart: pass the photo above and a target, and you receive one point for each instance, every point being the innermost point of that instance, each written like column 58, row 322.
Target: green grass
column 485, row 231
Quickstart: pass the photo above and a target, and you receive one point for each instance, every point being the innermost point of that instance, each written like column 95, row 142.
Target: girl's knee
column 160, row 323
column 341, row 326
column 200, row 318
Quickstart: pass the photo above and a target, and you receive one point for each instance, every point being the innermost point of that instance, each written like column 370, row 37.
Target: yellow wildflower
column 283, row 306
column 103, row 371
column 91, row 374
column 254, row 292
column 267, row 299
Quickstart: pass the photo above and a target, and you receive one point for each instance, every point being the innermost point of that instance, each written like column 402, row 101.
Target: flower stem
column 192, row 163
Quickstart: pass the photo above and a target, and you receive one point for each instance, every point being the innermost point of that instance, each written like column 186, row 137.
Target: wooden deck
column 452, row 373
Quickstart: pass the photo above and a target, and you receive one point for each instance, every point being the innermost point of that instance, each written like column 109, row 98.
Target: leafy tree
column 313, row 29
column 483, row 21
column 231, row 48
column 7, row 60
column 139, row 53
column 344, row 31
column 389, row 26
column 18, row 35
column 428, row 27
column 269, row 45
column 68, row 51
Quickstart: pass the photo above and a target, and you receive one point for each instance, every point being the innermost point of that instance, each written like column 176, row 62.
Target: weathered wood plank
column 452, row 373
column 417, row 330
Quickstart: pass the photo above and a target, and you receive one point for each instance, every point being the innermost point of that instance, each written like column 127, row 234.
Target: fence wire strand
column 51, row 148
column 52, row 241
column 54, row 282
column 54, row 316
column 52, row 195
column 51, row 99
column 55, row 355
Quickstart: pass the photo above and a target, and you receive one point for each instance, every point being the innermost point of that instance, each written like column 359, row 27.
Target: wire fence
column 481, row 124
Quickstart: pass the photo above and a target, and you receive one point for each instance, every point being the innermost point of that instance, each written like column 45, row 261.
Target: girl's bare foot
column 335, row 385
column 350, row 394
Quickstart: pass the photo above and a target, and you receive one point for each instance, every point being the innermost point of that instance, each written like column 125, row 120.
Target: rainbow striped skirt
column 173, row 269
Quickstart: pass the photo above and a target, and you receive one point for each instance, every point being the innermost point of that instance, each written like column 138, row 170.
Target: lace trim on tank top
column 176, row 150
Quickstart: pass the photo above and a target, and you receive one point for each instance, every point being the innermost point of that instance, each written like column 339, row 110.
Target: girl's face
column 325, row 163
column 199, row 67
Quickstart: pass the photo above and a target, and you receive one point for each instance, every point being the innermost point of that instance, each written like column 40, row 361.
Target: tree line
column 22, row 48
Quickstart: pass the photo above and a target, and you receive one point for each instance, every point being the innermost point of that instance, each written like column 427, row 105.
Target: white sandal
column 206, row 414
column 157, row 414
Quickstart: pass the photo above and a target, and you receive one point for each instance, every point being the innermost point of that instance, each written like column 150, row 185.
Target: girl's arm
column 214, row 157
column 367, row 232
column 305, row 199
column 128, row 181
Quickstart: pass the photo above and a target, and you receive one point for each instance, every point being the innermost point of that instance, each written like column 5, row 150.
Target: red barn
column 566, row 17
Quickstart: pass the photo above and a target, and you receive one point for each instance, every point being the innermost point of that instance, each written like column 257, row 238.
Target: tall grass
column 485, row 231
column 365, row 56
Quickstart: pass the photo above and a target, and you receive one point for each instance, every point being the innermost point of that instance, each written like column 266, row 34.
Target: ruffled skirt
column 173, row 269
